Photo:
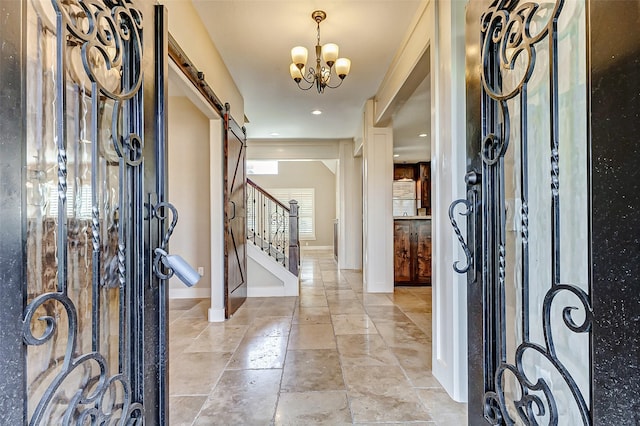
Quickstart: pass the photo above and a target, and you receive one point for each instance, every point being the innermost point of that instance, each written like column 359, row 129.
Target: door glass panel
column 75, row 249
column 538, row 256
column 573, row 348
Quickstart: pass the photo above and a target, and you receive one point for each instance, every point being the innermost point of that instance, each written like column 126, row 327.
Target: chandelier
column 318, row 76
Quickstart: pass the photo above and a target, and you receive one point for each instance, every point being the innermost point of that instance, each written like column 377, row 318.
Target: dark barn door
column 552, row 255
column 235, row 216
column 82, row 322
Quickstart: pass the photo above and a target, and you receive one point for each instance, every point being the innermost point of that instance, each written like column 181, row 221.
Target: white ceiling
column 412, row 119
column 255, row 38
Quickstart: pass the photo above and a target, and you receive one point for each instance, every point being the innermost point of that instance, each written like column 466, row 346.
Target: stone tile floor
column 333, row 356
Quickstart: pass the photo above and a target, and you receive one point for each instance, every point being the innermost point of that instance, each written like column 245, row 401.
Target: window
column 79, row 200
column 306, row 212
column 262, row 167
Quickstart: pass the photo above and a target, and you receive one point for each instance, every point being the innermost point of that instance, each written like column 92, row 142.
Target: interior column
column 377, row 156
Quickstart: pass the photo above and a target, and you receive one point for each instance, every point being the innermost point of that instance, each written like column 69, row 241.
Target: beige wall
column 308, row 174
column 188, row 156
column 187, row 29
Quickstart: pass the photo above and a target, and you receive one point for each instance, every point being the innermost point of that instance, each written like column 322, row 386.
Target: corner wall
column 448, row 166
column 438, row 30
column 349, row 191
column 188, row 157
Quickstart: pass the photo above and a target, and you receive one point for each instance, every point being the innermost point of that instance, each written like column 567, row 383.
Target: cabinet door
column 422, row 237
column 425, row 186
column 404, row 171
column 402, row 251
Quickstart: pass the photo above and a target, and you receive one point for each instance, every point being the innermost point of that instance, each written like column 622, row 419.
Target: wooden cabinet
column 404, row 171
column 424, row 186
column 412, row 251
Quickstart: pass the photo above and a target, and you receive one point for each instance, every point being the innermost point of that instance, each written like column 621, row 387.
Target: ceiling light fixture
column 316, row 112
column 320, row 75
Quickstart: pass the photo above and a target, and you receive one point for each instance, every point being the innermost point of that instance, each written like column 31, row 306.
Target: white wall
column 188, row 162
column 349, row 188
column 308, row 174
column 377, row 162
column 448, row 169
column 438, row 30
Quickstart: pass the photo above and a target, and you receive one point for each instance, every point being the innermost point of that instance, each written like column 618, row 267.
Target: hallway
column 331, row 356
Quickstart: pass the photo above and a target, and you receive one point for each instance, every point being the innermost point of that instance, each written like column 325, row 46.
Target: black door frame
column 614, row 70
column 13, row 256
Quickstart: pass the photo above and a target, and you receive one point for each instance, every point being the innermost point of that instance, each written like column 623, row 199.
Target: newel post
column 294, row 243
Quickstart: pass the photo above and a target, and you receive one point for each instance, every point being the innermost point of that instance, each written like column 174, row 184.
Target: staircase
column 273, row 249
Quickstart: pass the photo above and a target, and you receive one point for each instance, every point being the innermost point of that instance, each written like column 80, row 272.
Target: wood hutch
column 412, row 233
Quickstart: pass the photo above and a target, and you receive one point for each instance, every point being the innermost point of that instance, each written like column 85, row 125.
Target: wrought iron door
column 235, row 183
column 89, row 347
column 527, row 258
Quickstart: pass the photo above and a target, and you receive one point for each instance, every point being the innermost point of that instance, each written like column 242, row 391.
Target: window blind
column 306, row 212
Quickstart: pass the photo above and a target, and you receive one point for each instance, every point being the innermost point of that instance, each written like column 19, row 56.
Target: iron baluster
column 274, row 220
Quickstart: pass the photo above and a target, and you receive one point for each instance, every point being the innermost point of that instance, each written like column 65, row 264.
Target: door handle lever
column 174, row 264
column 469, row 209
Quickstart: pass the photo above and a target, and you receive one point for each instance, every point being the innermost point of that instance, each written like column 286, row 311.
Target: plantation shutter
column 305, row 198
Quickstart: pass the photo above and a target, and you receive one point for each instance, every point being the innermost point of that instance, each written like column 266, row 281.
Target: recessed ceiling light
column 274, row 134
column 316, row 112
column 422, row 135
column 396, row 155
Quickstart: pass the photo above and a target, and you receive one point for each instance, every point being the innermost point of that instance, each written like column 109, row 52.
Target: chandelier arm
column 311, row 81
column 311, row 84
column 336, row 86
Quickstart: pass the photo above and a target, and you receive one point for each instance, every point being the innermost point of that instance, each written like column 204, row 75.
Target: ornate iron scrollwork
column 90, row 403
column 495, row 402
column 97, row 52
column 510, row 31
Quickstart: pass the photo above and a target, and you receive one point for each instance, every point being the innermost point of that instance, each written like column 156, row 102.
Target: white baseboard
column 216, row 315
column 309, row 248
column 271, row 291
column 189, row 293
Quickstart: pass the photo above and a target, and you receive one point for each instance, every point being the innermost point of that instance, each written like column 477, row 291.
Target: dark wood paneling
column 422, row 241
column 412, row 251
column 235, row 217
column 402, row 251
column 425, row 186
column 405, row 171
column 615, row 157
